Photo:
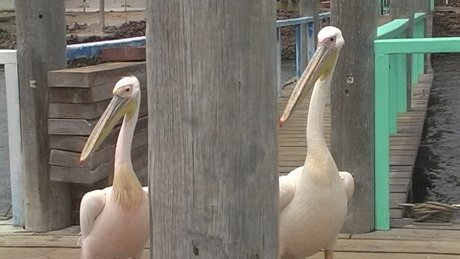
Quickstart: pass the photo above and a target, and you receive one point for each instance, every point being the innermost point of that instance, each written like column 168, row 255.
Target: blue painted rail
column 91, row 49
column 297, row 23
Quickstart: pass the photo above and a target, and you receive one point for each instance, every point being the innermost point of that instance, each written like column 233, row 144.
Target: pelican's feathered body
column 314, row 197
column 115, row 221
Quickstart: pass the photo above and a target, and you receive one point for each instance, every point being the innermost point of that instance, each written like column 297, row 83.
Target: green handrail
column 391, row 49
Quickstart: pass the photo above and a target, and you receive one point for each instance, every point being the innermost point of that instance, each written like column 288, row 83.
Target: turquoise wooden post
column 382, row 142
column 393, row 94
column 402, row 83
column 418, row 58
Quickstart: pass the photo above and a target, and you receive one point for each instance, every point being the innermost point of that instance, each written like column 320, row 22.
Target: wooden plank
column 90, row 76
column 101, row 156
column 367, row 255
column 87, row 110
column 89, row 176
column 396, row 198
column 89, row 95
column 210, row 142
column 41, row 48
column 411, row 234
column 396, row 213
column 70, row 126
column 400, row 246
column 79, row 127
column 76, row 143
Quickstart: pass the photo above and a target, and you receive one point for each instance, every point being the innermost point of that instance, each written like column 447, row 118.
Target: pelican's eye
column 332, row 39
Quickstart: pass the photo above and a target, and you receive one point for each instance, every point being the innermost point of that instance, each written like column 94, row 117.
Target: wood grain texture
column 352, row 107
column 41, row 47
column 212, row 129
column 102, row 155
column 421, row 243
column 94, row 93
column 79, row 127
column 88, row 110
column 86, row 175
column 91, row 76
column 76, row 143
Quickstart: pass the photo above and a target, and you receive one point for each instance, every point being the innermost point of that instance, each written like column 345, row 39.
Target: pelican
column 115, row 221
column 314, row 198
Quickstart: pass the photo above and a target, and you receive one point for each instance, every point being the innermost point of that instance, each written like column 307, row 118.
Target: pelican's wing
column 91, row 206
column 287, row 190
column 349, row 183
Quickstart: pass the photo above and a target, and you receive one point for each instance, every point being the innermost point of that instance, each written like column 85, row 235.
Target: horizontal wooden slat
column 79, row 127
column 87, row 110
column 88, row 95
column 101, row 156
column 90, row 76
column 89, row 176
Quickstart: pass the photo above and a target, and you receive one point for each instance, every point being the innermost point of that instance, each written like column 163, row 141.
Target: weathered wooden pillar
column 102, row 15
column 352, row 107
column 404, row 9
column 308, row 32
column 213, row 174
column 41, row 47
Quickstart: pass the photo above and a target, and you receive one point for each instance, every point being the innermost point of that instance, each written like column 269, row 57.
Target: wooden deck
column 410, row 242
column 394, row 244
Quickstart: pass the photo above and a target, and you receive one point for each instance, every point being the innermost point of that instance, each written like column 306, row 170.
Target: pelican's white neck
column 318, row 154
column 125, row 139
column 126, row 187
column 315, row 131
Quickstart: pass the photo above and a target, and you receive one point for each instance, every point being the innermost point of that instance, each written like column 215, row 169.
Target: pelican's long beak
column 319, row 67
column 117, row 108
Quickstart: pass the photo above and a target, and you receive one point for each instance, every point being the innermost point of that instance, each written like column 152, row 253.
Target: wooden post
column 213, row 174
column 352, row 107
column 41, row 47
column 308, row 32
column 102, row 15
column 405, row 9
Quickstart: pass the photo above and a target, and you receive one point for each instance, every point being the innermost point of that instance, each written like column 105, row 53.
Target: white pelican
column 115, row 221
column 314, row 198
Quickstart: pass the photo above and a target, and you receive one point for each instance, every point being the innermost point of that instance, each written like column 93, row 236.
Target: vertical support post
column 41, row 47
column 298, row 51
column 309, row 30
column 352, row 107
column 278, row 60
column 14, row 138
column 394, row 94
column 382, row 143
column 212, row 134
column 404, row 9
column 102, row 15
column 401, row 84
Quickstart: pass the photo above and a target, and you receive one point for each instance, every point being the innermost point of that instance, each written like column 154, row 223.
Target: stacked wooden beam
column 77, row 98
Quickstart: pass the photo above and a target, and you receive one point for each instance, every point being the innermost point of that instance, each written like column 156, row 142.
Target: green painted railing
column 391, row 49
